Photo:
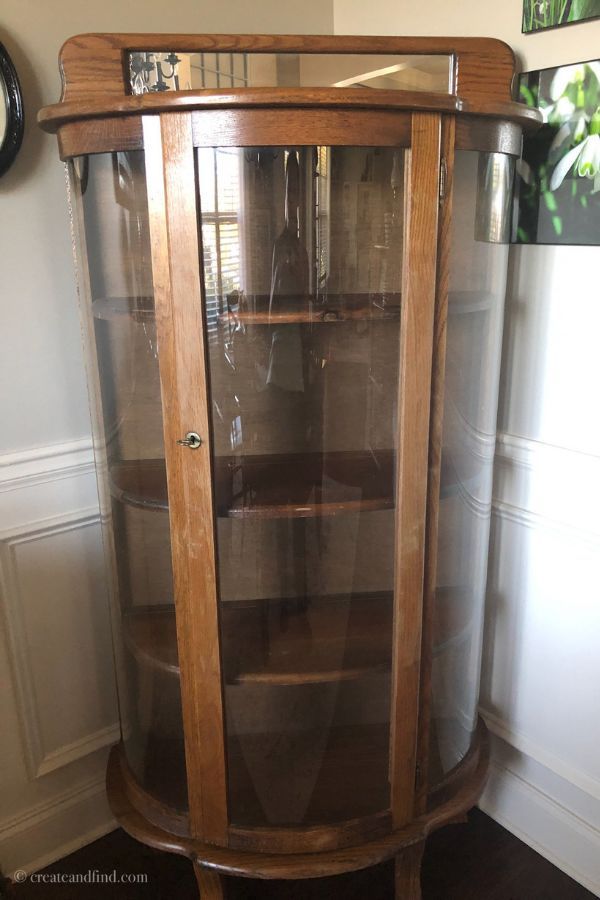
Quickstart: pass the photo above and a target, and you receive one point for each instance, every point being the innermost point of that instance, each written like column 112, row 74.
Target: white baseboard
column 50, row 831
column 521, row 742
column 71, row 846
column 553, row 831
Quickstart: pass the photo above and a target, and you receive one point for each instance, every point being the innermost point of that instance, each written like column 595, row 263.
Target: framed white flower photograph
column 557, row 186
column 541, row 14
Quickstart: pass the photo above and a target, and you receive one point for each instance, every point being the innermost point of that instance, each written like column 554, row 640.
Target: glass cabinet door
column 302, row 262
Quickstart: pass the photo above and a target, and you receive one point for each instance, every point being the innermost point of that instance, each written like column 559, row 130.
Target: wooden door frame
column 438, row 377
column 419, row 274
column 180, row 314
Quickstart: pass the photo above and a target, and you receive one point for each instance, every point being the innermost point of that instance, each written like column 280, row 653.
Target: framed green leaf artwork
column 557, row 186
column 540, row 14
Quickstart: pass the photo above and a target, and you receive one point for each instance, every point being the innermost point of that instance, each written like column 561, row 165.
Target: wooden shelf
column 314, row 640
column 297, row 641
column 317, row 314
column 141, row 483
column 302, row 485
column 346, row 308
column 150, row 634
column 299, row 485
column 311, row 640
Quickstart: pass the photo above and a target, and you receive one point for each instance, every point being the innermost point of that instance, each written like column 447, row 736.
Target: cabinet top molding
column 95, row 81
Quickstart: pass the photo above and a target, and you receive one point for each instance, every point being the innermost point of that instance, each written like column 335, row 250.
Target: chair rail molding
column 542, row 484
column 42, row 464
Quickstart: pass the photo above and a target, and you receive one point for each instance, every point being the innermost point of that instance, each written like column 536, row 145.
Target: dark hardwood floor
column 476, row 861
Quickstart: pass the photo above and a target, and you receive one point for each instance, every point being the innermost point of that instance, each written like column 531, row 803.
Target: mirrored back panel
column 152, row 71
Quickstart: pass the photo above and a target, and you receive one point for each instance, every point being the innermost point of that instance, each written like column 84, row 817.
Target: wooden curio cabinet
column 292, row 260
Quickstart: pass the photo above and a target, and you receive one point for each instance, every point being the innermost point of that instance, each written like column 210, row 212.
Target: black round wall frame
column 11, row 140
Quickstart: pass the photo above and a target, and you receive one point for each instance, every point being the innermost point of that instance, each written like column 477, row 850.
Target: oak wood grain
column 104, row 135
column 92, row 64
column 416, row 337
column 314, row 838
column 93, row 69
column 52, row 117
column 251, row 127
column 435, row 460
column 179, row 301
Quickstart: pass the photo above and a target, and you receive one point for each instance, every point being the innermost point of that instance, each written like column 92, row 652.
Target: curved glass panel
column 302, row 254
column 110, row 191
column 475, row 318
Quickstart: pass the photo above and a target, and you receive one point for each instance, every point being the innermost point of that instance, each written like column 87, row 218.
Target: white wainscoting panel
column 541, row 666
column 57, row 693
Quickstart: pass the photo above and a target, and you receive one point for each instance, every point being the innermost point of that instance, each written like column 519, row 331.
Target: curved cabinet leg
column 210, row 884
column 408, row 872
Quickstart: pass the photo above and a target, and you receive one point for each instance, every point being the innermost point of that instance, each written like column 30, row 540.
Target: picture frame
column 539, row 15
column 557, row 185
column 12, row 116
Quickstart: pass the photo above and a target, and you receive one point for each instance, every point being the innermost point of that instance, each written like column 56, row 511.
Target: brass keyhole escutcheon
column 191, row 440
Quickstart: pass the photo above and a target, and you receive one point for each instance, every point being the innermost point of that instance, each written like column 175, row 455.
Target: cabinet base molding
column 406, row 844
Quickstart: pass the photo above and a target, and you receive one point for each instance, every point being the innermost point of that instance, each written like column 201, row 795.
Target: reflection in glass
column 130, row 457
column 302, row 253
column 475, row 318
column 156, row 71
column 496, row 173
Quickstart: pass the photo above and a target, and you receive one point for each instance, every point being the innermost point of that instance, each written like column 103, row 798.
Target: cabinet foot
column 408, row 872
column 210, row 884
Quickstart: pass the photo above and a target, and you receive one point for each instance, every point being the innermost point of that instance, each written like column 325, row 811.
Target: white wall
column 541, row 671
column 471, row 18
column 57, row 699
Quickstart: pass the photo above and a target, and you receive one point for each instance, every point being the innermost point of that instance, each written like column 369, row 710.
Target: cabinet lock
column 191, row 440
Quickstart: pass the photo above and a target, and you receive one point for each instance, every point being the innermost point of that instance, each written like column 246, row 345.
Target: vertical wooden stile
column 179, row 304
column 422, row 175
column 435, row 458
